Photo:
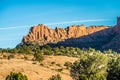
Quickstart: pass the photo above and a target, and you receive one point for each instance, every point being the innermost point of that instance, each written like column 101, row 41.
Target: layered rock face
column 42, row 34
column 98, row 37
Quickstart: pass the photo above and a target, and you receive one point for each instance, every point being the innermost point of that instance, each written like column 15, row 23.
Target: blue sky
column 17, row 16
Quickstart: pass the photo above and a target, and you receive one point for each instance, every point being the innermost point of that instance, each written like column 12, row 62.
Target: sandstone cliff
column 98, row 37
column 42, row 34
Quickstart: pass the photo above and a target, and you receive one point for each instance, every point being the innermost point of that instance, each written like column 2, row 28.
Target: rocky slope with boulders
column 98, row 37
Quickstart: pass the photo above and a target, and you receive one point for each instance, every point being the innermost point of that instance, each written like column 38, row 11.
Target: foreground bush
column 55, row 77
column 16, row 76
column 92, row 67
column 114, row 69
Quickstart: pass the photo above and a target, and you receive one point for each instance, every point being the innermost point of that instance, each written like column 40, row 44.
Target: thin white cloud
column 59, row 23
column 4, row 28
column 96, row 20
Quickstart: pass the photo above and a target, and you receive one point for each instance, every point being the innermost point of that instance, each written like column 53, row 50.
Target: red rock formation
column 42, row 34
column 98, row 37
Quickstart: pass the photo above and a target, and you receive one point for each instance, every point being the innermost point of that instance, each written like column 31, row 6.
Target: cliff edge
column 42, row 34
column 98, row 37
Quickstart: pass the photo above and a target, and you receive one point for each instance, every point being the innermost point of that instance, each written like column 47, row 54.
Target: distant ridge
column 98, row 37
column 42, row 34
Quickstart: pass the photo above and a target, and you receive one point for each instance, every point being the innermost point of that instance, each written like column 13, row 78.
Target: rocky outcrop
column 116, row 28
column 114, row 42
column 42, row 34
column 98, row 37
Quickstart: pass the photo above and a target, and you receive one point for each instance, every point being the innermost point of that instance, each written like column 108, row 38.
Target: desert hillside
column 35, row 70
column 69, row 63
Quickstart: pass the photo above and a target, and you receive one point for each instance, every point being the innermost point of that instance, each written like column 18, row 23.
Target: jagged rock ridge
column 98, row 37
column 42, row 34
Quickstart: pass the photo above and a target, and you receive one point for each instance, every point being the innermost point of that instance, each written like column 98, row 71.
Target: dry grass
column 35, row 70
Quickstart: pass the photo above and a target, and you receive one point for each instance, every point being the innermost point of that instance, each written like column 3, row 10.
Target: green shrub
column 68, row 65
column 58, row 65
column 53, row 63
column 41, row 64
column 38, row 57
column 93, row 67
column 60, row 70
column 114, row 69
column 16, row 76
column 47, row 52
column 55, row 77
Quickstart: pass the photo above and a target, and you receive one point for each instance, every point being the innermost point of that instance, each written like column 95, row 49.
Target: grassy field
column 34, row 70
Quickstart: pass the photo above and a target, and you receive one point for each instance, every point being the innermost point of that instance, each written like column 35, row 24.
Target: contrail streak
column 4, row 28
column 48, row 24
column 77, row 21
